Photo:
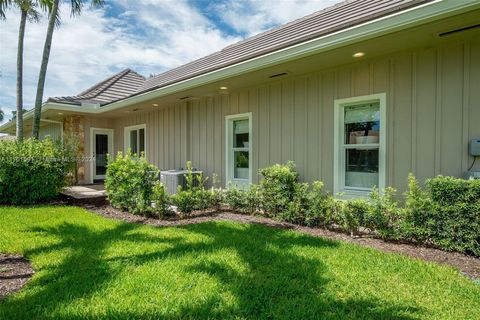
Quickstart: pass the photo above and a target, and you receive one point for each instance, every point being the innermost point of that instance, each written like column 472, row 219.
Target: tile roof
column 119, row 86
column 341, row 16
column 335, row 18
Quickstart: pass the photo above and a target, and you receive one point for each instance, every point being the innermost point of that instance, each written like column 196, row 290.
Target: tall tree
column 76, row 9
column 1, row 115
column 28, row 11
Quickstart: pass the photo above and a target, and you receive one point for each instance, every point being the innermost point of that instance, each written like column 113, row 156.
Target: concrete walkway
column 86, row 191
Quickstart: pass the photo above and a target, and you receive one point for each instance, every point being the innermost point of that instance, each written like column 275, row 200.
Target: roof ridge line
column 111, row 78
column 120, row 76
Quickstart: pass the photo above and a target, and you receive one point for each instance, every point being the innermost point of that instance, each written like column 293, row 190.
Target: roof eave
column 408, row 18
column 52, row 106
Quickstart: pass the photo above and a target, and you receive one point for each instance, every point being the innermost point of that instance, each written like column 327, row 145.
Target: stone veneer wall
column 74, row 132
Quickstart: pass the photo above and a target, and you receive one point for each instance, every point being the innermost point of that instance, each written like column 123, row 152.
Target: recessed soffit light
column 154, row 104
column 358, row 54
column 223, row 88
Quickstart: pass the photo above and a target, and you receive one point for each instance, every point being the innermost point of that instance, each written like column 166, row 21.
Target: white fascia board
column 53, row 106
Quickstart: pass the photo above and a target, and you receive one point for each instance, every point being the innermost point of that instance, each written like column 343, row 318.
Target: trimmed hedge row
column 455, row 214
column 33, row 171
column 446, row 213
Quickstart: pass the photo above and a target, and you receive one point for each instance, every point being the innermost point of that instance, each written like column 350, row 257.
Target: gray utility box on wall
column 171, row 179
column 474, row 147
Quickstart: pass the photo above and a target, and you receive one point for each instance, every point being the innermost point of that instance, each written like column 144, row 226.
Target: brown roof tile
column 118, row 86
column 335, row 18
column 332, row 19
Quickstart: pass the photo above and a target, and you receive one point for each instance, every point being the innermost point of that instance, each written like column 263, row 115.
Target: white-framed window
column 238, row 131
column 359, row 155
column 135, row 138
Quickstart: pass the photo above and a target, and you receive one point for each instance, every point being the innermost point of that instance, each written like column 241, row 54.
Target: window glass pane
column 101, row 151
column 362, row 123
column 241, row 164
column 133, row 141
column 141, row 140
column 240, row 133
column 361, row 168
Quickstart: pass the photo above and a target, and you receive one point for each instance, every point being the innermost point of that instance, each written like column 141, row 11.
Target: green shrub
column 278, row 187
column 185, row 201
column 235, row 198
column 196, row 197
column 243, row 200
column 297, row 209
column 353, row 214
column 253, row 199
column 383, row 215
column 322, row 207
column 160, row 200
column 129, row 183
column 33, row 171
column 218, row 198
column 456, row 214
column 217, row 194
column 417, row 214
column 204, row 199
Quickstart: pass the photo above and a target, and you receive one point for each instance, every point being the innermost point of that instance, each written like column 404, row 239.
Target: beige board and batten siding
column 432, row 111
column 52, row 130
column 166, row 134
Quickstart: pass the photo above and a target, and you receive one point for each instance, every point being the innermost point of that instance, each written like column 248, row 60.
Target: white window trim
column 110, row 133
column 228, row 149
column 126, row 136
column 339, row 154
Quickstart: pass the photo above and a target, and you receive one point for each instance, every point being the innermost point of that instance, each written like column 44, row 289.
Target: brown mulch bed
column 468, row 265
column 15, row 271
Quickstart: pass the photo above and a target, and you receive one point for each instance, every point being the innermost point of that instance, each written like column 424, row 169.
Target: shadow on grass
column 278, row 283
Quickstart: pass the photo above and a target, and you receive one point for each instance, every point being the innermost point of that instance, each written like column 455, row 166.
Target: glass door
column 101, row 151
column 102, row 146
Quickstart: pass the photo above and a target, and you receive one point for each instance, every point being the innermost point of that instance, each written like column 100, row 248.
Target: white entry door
column 102, row 146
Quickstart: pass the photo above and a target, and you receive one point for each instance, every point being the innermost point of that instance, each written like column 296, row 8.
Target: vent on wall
column 278, row 75
column 455, row 31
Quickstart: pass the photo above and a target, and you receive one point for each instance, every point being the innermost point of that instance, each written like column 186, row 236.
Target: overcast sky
column 149, row 36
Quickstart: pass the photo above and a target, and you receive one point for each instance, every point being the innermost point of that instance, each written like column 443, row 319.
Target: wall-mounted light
column 154, row 104
column 358, row 54
column 60, row 113
column 223, row 88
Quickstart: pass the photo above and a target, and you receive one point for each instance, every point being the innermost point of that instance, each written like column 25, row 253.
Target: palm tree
column 28, row 10
column 76, row 9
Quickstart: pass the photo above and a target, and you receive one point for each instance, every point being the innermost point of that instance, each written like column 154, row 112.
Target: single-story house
column 358, row 95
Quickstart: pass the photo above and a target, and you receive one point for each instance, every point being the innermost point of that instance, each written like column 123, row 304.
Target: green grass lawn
column 90, row 267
